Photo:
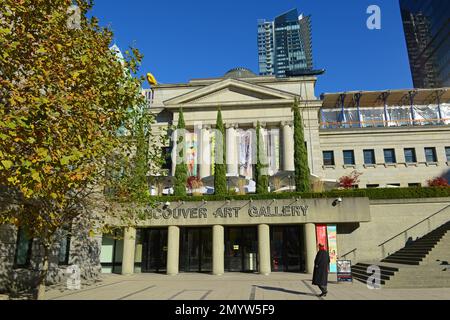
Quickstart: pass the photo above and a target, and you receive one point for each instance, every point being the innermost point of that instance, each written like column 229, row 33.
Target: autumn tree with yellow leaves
column 64, row 96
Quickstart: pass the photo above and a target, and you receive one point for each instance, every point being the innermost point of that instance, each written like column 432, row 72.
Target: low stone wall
column 84, row 252
column 390, row 218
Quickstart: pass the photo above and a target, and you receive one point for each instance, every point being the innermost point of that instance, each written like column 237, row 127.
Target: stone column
column 218, row 250
column 264, row 249
column 288, row 146
column 205, row 152
column 232, row 150
column 173, row 250
column 129, row 245
column 310, row 246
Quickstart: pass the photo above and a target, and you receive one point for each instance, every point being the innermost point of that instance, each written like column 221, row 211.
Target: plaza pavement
column 233, row 286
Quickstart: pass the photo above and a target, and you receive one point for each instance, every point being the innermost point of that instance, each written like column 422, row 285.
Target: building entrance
column 154, row 250
column 196, row 250
column 241, row 249
column 286, row 246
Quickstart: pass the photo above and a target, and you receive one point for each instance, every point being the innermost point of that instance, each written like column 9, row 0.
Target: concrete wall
column 390, row 218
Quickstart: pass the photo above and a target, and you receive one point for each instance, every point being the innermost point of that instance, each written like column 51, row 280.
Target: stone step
column 402, row 261
column 365, row 276
column 383, row 266
column 363, row 270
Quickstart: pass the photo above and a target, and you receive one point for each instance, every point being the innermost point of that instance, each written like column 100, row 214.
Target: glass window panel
column 410, row 155
column 445, row 112
column 349, row 157
column 372, row 117
column 430, row 154
column 330, row 117
column 64, row 249
column 389, row 156
column 328, row 158
column 447, row 153
column 426, row 114
column 399, row 115
column 369, row 156
column 351, row 118
column 23, row 249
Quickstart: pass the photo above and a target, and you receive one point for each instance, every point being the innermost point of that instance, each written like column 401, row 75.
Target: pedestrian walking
column 321, row 269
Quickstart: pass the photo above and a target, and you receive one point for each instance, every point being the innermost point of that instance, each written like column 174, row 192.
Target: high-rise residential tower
column 427, row 27
column 285, row 45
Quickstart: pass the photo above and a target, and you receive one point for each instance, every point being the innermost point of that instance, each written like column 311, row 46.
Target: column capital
column 262, row 124
column 206, row 127
column 287, row 123
column 231, row 125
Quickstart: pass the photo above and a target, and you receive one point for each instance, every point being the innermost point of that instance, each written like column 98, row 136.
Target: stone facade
column 84, row 252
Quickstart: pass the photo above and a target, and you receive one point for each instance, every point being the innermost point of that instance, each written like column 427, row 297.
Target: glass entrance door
column 154, row 250
column 286, row 249
column 241, row 249
column 196, row 250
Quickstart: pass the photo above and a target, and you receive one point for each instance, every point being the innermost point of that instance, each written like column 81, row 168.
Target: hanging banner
column 321, row 236
column 245, row 154
column 332, row 247
column 191, row 153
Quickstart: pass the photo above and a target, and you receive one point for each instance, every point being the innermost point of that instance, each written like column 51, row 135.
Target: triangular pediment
column 230, row 90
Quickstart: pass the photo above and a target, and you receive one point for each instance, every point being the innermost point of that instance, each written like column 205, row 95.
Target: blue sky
column 183, row 39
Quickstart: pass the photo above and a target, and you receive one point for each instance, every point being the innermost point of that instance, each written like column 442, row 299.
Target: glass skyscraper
column 427, row 28
column 284, row 45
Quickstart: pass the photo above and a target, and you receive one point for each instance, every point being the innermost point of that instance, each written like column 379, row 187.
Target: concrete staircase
column 422, row 264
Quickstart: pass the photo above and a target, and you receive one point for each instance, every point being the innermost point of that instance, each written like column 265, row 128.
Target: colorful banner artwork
column 213, row 151
column 191, row 153
column 273, row 150
column 332, row 247
column 321, row 236
column 245, row 154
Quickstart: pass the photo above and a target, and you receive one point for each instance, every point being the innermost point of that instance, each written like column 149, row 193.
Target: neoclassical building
column 394, row 138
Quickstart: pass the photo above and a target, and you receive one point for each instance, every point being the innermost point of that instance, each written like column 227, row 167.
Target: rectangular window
column 23, row 249
column 389, row 156
column 349, row 157
column 430, row 155
column 64, row 248
column 328, row 158
column 372, row 186
column 369, row 157
column 410, row 155
column 447, row 153
column 414, row 185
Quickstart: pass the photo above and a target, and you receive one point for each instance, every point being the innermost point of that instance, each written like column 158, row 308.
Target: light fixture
column 337, row 201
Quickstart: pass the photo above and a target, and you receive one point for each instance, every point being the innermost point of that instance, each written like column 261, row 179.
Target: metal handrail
column 422, row 221
column 344, row 255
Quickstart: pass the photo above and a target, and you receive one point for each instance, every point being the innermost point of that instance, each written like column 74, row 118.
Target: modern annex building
column 285, row 45
column 427, row 26
column 394, row 138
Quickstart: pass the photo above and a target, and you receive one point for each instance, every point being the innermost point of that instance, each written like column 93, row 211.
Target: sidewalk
column 234, row 286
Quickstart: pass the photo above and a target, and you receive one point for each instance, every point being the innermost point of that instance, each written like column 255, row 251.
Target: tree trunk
column 40, row 290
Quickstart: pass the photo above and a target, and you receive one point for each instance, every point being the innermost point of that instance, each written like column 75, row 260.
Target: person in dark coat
column 321, row 268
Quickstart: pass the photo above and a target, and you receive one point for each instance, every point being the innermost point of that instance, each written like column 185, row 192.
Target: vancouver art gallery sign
column 280, row 211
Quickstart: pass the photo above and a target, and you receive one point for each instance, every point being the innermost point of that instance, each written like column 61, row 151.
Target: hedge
column 394, row 193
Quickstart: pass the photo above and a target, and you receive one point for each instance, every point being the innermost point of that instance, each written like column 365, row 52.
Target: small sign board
column 344, row 271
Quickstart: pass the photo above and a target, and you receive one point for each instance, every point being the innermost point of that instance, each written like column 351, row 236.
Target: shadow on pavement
column 287, row 291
